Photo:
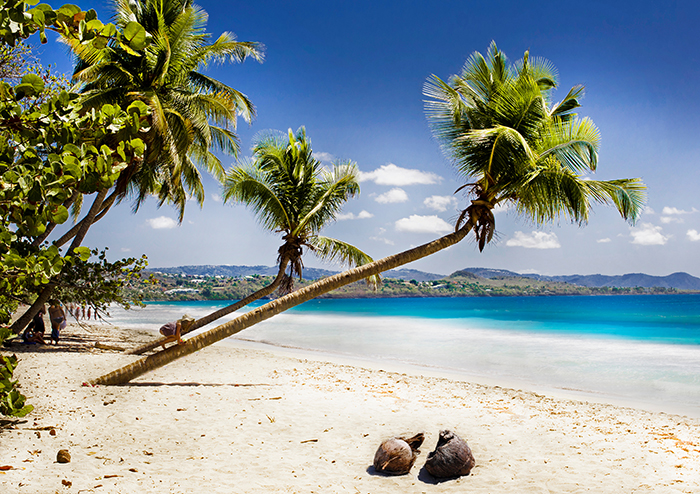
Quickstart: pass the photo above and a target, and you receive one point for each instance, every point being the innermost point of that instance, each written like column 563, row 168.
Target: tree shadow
column 186, row 384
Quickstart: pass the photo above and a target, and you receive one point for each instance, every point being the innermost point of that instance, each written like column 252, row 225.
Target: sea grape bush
column 12, row 402
column 49, row 154
column 19, row 19
column 54, row 152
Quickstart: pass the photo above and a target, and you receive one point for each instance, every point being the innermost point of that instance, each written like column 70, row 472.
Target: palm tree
column 496, row 123
column 191, row 113
column 291, row 193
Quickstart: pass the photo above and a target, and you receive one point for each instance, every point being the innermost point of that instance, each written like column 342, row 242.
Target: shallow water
column 642, row 350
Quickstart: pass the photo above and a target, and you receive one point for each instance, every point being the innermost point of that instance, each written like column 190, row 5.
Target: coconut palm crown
column 191, row 113
column 290, row 192
column 513, row 146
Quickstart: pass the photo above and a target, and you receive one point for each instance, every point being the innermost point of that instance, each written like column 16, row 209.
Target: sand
column 232, row 419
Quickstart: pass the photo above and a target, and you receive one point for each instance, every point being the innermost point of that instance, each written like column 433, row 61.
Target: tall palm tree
column 192, row 114
column 291, row 193
column 496, row 123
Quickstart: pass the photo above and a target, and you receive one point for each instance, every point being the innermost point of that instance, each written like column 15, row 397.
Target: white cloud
column 671, row 219
column 393, row 196
column 423, row 224
column 440, row 203
column 325, row 157
column 535, row 240
column 502, row 208
column 603, row 240
column 668, row 210
column 362, row 215
column 125, row 249
column 216, row 197
column 161, row 222
column 693, row 235
column 648, row 210
column 648, row 234
column 394, row 175
column 382, row 239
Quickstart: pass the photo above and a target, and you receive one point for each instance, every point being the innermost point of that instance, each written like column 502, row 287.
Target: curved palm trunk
column 50, row 227
column 106, row 205
column 147, row 364
column 43, row 297
column 263, row 292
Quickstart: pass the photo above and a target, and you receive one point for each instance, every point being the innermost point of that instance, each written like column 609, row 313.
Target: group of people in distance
column 79, row 312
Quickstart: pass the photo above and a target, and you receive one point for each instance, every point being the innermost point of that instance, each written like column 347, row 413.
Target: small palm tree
column 498, row 126
column 291, row 193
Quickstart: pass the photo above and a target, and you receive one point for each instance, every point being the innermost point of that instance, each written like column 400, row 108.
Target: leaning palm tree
column 513, row 146
column 291, row 193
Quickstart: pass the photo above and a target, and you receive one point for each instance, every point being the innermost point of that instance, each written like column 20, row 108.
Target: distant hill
column 679, row 281
column 412, row 274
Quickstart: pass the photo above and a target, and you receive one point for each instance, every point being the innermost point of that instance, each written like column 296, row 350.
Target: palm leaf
column 333, row 250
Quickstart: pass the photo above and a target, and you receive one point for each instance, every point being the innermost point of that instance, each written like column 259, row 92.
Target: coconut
column 397, row 455
column 451, row 458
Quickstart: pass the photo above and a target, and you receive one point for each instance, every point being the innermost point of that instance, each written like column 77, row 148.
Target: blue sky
column 352, row 73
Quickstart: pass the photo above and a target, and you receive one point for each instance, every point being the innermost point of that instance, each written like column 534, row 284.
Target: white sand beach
column 232, row 419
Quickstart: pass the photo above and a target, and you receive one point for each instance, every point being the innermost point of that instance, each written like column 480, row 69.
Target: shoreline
column 239, row 419
column 396, row 366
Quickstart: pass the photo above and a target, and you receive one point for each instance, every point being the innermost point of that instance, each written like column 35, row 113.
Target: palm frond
column 333, row 250
column 249, row 186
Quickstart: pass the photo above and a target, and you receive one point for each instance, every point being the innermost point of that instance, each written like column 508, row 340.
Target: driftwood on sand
column 397, row 455
column 452, row 457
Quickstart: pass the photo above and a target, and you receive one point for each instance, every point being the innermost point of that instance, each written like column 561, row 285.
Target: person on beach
column 57, row 316
column 35, row 330
column 171, row 331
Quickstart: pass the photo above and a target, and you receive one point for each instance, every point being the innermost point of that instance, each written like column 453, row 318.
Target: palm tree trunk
column 263, row 292
column 43, row 297
column 147, row 364
column 95, row 218
column 49, row 228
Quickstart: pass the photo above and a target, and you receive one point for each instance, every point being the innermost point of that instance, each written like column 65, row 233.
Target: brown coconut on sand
column 452, row 457
column 397, row 455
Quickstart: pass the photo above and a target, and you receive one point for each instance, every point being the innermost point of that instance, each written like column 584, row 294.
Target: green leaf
column 69, row 10
column 59, row 215
column 99, row 43
column 109, row 30
column 82, row 252
column 23, row 411
column 135, row 34
column 35, row 81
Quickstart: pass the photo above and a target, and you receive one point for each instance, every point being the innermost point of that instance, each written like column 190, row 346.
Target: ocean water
column 638, row 350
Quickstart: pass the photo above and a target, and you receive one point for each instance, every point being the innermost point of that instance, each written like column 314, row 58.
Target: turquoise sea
column 638, row 350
